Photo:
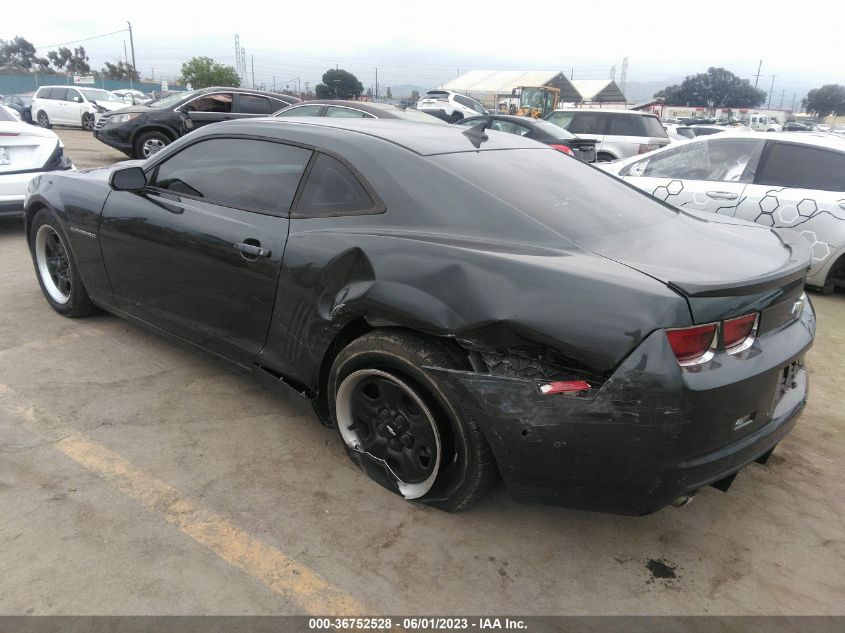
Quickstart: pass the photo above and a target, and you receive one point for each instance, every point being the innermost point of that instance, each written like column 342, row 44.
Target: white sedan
column 25, row 151
column 790, row 180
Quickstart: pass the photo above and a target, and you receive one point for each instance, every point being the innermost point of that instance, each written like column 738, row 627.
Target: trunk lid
column 724, row 267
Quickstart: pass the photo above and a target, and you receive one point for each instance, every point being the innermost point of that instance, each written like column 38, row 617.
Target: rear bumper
column 13, row 190
column 652, row 433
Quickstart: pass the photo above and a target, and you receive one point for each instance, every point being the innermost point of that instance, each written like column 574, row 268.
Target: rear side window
column 332, row 188
column 347, row 113
column 652, row 127
column 307, row 110
column 623, row 125
column 251, row 104
column 803, row 167
column 58, row 94
column 469, row 103
column 587, row 123
column 240, row 173
column 43, row 93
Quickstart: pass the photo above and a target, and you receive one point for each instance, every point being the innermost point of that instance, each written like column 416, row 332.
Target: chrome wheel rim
column 87, row 122
column 53, row 264
column 42, row 119
column 381, row 416
column 151, row 146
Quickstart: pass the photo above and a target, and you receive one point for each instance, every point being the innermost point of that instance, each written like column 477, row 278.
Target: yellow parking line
column 263, row 562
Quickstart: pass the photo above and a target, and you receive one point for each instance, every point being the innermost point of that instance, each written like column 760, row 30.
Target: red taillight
column 564, row 149
column 693, row 345
column 737, row 331
column 564, row 386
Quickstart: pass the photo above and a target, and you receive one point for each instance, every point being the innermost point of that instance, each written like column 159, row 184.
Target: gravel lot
column 138, row 478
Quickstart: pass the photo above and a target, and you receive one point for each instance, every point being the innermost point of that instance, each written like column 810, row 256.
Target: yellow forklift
column 533, row 101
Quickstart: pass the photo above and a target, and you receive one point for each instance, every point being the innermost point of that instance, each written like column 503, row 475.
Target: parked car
column 797, row 126
column 764, row 123
column 21, row 104
column 141, row 131
column 449, row 106
column 72, row 106
column 538, row 130
column 455, row 305
column 334, row 108
column 133, row 97
column 25, row 151
column 783, row 180
column 617, row 133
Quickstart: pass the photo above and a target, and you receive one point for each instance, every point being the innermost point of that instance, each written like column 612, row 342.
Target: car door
column 209, row 108
column 56, row 106
column 198, row 252
column 75, row 105
column 702, row 175
column 800, row 187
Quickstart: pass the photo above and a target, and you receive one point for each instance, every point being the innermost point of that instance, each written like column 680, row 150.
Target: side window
column 43, row 93
column 252, row 104
column 58, row 94
column 332, row 188
column 623, row 125
column 803, row 167
column 725, row 160
column 586, row 123
column 73, row 95
column 307, row 110
column 509, row 127
column 347, row 113
column 561, row 119
column 211, row 103
column 689, row 161
column 469, row 122
column 470, row 103
column 242, row 173
column 733, row 159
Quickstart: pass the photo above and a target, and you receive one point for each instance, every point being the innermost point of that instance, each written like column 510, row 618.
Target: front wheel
column 148, row 143
column 401, row 428
column 88, row 121
column 56, row 269
column 44, row 120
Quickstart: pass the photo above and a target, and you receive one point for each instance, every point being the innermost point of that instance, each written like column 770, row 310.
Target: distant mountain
column 642, row 91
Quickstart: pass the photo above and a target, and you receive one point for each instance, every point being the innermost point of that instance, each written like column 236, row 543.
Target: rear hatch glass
column 652, row 127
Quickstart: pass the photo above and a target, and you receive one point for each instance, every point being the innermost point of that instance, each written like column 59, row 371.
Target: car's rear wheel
column 44, row 120
column 400, row 427
column 56, row 269
column 87, row 121
column 149, row 143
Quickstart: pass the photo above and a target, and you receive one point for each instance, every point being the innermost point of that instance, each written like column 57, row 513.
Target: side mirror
column 128, row 179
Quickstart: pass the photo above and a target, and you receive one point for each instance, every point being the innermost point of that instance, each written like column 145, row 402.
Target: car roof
column 610, row 110
column 826, row 141
column 420, row 138
column 384, row 109
column 264, row 93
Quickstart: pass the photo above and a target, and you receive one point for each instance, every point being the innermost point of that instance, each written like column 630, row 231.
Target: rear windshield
column 568, row 196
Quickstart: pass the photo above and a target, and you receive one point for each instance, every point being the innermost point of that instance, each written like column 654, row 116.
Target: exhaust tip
column 680, row 502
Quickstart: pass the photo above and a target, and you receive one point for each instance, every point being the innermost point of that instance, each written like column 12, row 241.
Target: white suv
column 69, row 105
column 449, row 106
column 764, row 123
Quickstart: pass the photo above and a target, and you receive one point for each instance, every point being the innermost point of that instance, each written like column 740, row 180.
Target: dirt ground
column 139, row 478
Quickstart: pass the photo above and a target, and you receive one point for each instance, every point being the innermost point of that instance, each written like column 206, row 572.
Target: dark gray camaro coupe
column 458, row 303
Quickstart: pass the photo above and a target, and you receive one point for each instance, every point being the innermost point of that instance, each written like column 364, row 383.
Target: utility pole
column 376, row 84
column 613, row 73
column 624, row 79
column 571, row 73
column 782, row 93
column 769, row 104
column 757, row 76
column 252, row 57
column 132, row 44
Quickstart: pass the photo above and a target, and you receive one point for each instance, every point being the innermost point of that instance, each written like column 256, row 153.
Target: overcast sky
column 426, row 43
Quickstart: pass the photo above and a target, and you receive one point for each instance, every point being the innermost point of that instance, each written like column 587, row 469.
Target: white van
column 69, row 105
column 764, row 123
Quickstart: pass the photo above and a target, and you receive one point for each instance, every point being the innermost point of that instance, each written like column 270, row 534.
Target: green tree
column 121, row 71
column 202, row 72
column 339, row 84
column 72, row 62
column 717, row 87
column 19, row 54
column 388, row 94
column 829, row 99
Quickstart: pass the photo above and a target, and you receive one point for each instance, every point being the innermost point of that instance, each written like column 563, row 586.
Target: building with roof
column 496, row 83
column 599, row 91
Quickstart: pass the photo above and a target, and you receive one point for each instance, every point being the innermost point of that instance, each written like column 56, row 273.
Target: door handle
column 722, row 195
column 252, row 249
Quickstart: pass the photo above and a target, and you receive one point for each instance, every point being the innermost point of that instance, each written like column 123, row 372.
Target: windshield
column 170, row 100
column 99, row 95
column 571, row 198
column 553, row 130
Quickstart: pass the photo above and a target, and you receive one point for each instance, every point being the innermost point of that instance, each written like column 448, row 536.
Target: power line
column 87, row 39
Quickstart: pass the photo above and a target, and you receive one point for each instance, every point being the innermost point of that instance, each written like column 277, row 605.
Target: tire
column 148, row 143
column 87, row 121
column 455, row 117
column 382, row 401
column 835, row 277
column 56, row 269
column 44, row 120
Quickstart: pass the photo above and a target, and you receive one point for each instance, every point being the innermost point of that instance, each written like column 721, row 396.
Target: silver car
column 792, row 180
column 617, row 133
